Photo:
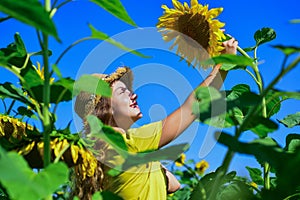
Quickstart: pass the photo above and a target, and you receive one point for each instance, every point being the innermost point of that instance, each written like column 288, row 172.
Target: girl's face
column 124, row 105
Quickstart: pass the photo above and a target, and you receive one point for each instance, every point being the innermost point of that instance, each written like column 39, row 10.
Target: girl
column 149, row 181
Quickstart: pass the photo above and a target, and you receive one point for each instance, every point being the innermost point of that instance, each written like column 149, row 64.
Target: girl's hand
column 230, row 46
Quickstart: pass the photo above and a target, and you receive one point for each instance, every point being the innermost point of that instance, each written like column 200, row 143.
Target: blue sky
column 162, row 82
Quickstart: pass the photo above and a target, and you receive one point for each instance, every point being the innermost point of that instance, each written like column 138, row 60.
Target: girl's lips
column 134, row 105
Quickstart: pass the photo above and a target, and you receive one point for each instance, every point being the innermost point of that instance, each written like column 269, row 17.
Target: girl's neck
column 120, row 130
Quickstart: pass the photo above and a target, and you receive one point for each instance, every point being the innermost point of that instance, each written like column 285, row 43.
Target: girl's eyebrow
column 119, row 88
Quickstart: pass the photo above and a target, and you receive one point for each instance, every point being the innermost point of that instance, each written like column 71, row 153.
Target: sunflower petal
column 178, row 5
column 194, row 3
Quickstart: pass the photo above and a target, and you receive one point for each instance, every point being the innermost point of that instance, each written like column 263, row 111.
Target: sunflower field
column 37, row 159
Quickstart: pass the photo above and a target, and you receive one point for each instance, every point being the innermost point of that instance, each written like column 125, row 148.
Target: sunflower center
column 196, row 27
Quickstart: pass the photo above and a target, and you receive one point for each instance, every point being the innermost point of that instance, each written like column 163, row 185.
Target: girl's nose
column 133, row 96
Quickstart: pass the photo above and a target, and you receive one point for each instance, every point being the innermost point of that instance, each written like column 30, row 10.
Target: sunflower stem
column 46, row 96
column 11, row 106
column 71, row 46
column 266, row 165
column 239, row 49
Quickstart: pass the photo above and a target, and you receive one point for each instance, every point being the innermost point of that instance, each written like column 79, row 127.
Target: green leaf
column 262, row 126
column 108, row 134
column 235, row 190
column 18, row 58
column 60, row 90
column 107, row 195
column 292, row 142
column 97, row 196
column 102, row 36
column 256, row 175
column 273, row 103
column 8, row 90
column 210, row 103
column 26, row 112
column 93, row 85
column 199, row 192
column 22, row 183
column 168, row 153
column 116, row 8
column 287, row 94
column 39, row 53
column 295, row 21
column 57, row 71
column 264, row 35
column 207, row 94
column 30, row 12
column 238, row 101
column 291, row 120
column 287, row 50
column 232, row 61
column 20, row 45
column 263, row 149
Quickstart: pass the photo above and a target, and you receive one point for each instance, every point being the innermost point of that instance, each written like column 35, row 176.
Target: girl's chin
column 138, row 116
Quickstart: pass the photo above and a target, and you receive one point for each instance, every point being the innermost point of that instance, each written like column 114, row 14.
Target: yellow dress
column 143, row 182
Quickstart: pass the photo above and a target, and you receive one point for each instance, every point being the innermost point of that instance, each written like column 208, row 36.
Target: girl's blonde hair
column 90, row 104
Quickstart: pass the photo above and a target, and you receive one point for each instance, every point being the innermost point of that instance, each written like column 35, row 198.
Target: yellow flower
column 26, row 149
column 197, row 34
column 201, row 166
column 180, row 161
column 13, row 127
column 89, row 163
column 253, row 185
column 40, row 71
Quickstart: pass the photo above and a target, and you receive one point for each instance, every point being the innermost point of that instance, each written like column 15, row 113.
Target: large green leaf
column 30, row 12
column 264, row 35
column 116, row 8
column 291, row 120
column 263, row 149
column 22, row 183
column 225, row 113
column 102, row 36
column 93, row 85
column 61, row 90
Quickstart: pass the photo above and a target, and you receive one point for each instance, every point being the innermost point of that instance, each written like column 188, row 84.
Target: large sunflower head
column 197, row 33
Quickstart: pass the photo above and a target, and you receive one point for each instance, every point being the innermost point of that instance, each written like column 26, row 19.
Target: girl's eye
column 123, row 90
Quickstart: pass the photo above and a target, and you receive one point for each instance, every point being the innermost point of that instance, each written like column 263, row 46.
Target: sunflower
column 201, row 166
column 180, row 161
column 197, row 34
column 13, row 128
column 67, row 151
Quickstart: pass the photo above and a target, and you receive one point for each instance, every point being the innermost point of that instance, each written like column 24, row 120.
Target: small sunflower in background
column 201, row 166
column 197, row 33
column 180, row 161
